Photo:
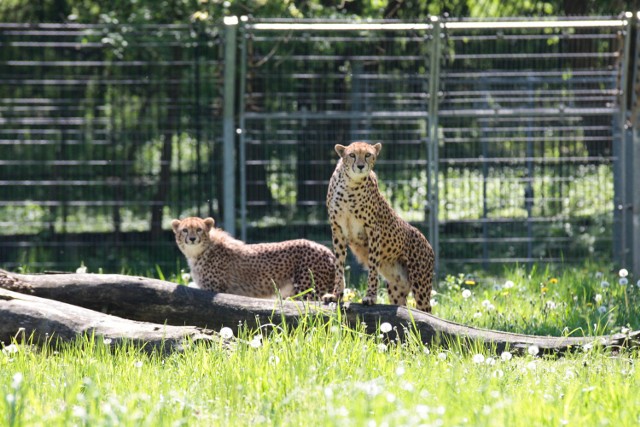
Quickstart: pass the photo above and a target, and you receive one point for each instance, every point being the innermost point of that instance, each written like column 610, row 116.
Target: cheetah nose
column 360, row 167
column 192, row 239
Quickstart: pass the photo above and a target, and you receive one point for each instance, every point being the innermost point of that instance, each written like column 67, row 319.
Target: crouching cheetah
column 220, row 263
column 362, row 219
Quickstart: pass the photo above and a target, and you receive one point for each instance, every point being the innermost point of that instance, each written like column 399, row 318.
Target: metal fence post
column 228, row 149
column 634, row 158
column 242, row 149
column 622, row 172
column 635, row 204
column 432, row 151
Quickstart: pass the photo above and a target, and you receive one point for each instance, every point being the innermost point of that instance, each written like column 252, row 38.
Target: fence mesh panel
column 108, row 132
column 526, row 157
column 105, row 133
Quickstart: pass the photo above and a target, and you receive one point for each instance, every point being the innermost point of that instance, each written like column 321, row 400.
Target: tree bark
column 160, row 302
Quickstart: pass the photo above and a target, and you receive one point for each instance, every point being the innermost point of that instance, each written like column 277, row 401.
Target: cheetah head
column 358, row 158
column 192, row 234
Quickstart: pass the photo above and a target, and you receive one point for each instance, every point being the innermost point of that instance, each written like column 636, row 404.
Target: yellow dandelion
column 348, row 295
column 470, row 282
column 544, row 289
column 553, row 281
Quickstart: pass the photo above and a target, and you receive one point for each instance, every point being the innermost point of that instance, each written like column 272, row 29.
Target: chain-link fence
column 504, row 142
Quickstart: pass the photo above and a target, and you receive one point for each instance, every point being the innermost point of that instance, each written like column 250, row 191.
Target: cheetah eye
column 367, row 155
column 185, row 231
column 352, row 155
column 199, row 230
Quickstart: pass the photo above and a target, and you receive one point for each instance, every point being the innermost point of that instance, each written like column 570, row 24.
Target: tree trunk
column 161, row 302
column 43, row 321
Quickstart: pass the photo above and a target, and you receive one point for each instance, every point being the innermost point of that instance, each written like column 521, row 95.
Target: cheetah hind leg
column 421, row 285
column 397, row 292
column 304, row 285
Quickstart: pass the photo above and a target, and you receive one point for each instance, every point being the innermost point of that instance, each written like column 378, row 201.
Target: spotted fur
column 364, row 221
column 220, row 263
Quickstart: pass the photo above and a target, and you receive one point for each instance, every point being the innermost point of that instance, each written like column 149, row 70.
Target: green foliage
column 181, row 11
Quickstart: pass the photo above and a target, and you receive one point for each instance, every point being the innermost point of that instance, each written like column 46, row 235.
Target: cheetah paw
column 368, row 301
column 329, row 298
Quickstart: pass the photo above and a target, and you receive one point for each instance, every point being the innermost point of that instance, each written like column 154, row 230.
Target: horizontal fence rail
column 509, row 141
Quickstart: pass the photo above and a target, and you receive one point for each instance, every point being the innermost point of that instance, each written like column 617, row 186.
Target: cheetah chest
column 349, row 218
column 353, row 228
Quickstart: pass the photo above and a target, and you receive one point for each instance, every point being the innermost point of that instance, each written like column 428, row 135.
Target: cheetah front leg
column 371, row 296
column 340, row 249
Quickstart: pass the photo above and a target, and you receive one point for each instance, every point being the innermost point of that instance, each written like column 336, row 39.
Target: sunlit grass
column 323, row 373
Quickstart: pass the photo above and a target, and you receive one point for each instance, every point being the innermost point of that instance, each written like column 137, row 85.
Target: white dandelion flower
column 623, row 272
column 466, row 293
column 11, row 349
column 533, row 350
column 226, row 333
column 598, row 297
column 506, row 356
column 386, row 327
column 478, row 358
column 442, row 356
column 17, row 380
column 623, row 281
column 508, row 284
column 79, row 411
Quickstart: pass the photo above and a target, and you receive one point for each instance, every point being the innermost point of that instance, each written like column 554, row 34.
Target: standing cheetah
column 220, row 263
column 362, row 219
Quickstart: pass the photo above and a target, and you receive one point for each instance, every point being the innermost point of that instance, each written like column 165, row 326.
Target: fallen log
column 160, row 302
column 40, row 321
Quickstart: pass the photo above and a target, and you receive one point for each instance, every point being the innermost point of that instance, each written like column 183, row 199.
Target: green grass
column 326, row 374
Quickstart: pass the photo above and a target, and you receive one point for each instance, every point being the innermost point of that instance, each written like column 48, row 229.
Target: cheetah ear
column 209, row 222
column 175, row 224
column 377, row 147
column 340, row 149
